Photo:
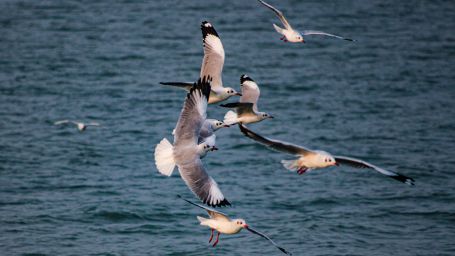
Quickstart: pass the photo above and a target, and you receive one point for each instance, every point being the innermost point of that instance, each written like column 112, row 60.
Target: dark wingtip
column 407, row 180
column 349, row 39
column 244, row 78
column 223, row 202
column 208, row 29
column 202, row 84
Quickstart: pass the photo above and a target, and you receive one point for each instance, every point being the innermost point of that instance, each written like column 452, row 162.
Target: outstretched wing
column 268, row 238
column 362, row 164
column 201, row 184
column 193, row 114
column 279, row 14
column 214, row 214
column 62, row 122
column 250, row 91
column 314, row 32
column 275, row 144
column 213, row 61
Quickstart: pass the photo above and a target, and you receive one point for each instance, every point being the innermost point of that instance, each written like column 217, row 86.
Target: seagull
column 223, row 224
column 209, row 128
column 80, row 126
column 212, row 65
column 315, row 159
column 246, row 109
column 294, row 36
column 185, row 153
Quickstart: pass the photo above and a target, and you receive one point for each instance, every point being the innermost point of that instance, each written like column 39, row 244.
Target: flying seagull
column 246, row 111
column 212, row 65
column 80, row 126
column 223, row 224
column 185, row 153
column 291, row 35
column 315, row 159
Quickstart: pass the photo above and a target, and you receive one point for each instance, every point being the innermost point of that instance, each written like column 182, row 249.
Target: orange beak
column 245, row 226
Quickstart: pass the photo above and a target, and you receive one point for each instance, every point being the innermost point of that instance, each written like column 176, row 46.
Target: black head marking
column 208, row 29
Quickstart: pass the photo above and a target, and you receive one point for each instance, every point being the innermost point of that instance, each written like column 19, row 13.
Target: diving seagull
column 294, row 36
column 185, row 153
column 224, row 225
column 212, row 65
column 80, row 126
column 315, row 159
column 246, row 111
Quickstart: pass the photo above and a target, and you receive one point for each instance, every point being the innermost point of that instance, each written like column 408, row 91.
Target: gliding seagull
column 291, row 35
column 80, row 126
column 212, row 65
column 223, row 224
column 315, row 159
column 185, row 153
column 246, row 111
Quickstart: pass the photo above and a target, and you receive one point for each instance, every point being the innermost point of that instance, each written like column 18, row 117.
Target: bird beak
column 303, row 41
column 336, row 164
column 214, row 148
column 226, row 125
column 245, row 226
column 238, row 94
column 271, row 117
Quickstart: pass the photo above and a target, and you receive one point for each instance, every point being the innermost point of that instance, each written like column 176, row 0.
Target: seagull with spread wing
column 291, row 35
column 186, row 152
column 80, row 126
column 315, row 159
column 224, row 225
column 212, row 65
column 246, row 111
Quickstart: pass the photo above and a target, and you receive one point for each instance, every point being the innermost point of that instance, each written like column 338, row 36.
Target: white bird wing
column 250, row 91
column 211, row 140
column 93, row 124
column 201, row 184
column 268, row 238
column 193, row 115
column 276, row 144
column 362, row 164
column 213, row 61
column 205, row 131
column 242, row 108
column 314, row 32
column 62, row 122
column 214, row 214
column 279, row 14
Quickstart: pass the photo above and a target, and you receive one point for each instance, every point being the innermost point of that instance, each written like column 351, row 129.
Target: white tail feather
column 291, row 165
column 278, row 29
column 202, row 220
column 164, row 157
column 230, row 118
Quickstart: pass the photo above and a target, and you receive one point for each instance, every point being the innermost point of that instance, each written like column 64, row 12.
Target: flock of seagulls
column 194, row 134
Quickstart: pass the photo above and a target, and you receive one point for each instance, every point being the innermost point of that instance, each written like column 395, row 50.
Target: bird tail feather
column 202, row 220
column 164, row 157
column 230, row 118
column 291, row 165
column 278, row 29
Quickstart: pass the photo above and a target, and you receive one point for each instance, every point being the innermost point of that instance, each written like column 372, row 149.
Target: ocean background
column 387, row 98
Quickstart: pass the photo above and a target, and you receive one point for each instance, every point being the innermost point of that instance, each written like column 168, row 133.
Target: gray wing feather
column 314, row 32
column 250, row 91
column 278, row 13
column 212, row 212
column 275, row 144
column 268, row 238
column 213, row 61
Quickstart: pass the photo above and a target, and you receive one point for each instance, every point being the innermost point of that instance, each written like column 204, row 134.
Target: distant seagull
column 185, row 153
column 223, row 224
column 247, row 109
column 212, row 65
column 291, row 35
column 80, row 126
column 315, row 159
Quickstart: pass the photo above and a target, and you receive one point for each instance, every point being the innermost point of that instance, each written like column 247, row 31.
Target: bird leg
column 302, row 170
column 217, row 239
column 282, row 38
column 285, row 40
column 211, row 235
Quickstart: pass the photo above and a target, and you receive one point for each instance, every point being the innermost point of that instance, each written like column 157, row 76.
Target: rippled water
column 387, row 98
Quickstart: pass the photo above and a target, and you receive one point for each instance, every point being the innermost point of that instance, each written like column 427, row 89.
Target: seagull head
column 217, row 124
column 241, row 223
column 231, row 92
column 297, row 37
column 81, row 127
column 266, row 115
column 326, row 159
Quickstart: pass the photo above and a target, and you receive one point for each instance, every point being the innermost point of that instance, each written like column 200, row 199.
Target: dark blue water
column 387, row 98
